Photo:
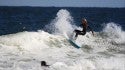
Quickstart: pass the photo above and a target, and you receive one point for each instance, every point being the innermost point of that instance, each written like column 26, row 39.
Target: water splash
column 114, row 32
column 62, row 23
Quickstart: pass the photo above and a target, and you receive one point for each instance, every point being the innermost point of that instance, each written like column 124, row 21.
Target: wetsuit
column 83, row 32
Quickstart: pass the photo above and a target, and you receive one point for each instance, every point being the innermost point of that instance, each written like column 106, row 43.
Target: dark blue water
column 18, row 19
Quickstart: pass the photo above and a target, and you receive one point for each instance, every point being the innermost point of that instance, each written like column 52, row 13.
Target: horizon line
column 61, row 6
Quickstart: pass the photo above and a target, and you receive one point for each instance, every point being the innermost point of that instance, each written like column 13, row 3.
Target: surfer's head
column 84, row 21
column 43, row 63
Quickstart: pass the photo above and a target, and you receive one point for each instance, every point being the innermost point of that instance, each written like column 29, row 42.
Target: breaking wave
column 25, row 50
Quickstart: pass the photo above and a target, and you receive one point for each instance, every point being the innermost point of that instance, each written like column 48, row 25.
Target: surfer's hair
column 84, row 19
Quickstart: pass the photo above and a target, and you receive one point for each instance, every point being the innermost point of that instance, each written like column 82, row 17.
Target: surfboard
column 73, row 44
column 71, row 41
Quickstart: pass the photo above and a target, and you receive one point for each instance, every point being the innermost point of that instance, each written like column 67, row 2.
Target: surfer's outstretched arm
column 91, row 30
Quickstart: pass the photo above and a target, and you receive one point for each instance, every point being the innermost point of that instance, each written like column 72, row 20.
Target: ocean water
column 29, row 35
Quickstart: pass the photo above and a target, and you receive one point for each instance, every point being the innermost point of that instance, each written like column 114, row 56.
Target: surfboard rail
column 73, row 44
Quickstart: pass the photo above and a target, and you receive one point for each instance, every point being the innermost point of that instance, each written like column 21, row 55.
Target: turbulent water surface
column 25, row 50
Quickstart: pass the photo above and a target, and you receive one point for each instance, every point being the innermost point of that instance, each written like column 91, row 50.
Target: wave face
column 25, row 50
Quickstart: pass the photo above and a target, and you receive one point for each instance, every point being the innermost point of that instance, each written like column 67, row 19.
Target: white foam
column 25, row 50
column 115, row 32
column 53, row 49
column 62, row 23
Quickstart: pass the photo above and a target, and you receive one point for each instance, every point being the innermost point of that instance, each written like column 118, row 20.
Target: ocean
column 29, row 35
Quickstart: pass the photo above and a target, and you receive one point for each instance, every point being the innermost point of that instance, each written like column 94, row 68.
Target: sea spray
column 114, row 32
column 62, row 23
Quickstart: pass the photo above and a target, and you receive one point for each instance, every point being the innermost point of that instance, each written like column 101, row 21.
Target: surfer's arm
column 91, row 30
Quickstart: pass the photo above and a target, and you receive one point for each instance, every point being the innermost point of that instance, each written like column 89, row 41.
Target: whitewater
column 25, row 50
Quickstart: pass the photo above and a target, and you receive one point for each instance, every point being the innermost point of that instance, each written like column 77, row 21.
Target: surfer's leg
column 77, row 33
column 82, row 33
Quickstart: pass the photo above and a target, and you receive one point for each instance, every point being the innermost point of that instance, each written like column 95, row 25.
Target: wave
column 62, row 23
column 96, row 52
column 25, row 50
column 114, row 32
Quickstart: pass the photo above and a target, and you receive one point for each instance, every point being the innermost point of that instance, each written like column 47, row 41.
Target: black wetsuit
column 83, row 32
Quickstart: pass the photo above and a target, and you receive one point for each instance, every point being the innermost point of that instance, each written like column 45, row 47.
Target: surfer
column 85, row 26
column 43, row 63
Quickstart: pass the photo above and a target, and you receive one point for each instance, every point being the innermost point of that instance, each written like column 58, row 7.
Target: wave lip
column 114, row 32
column 62, row 23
